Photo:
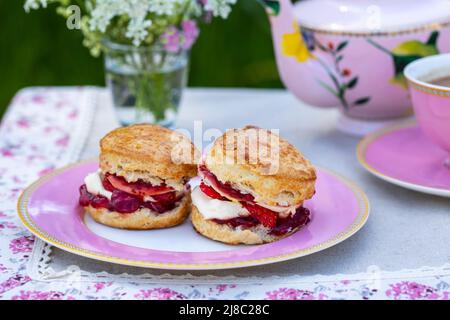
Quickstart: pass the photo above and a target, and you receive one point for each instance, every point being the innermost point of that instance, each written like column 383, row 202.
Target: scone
column 143, row 179
column 253, row 185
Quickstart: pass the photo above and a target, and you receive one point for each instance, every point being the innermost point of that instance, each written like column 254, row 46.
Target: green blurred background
column 37, row 49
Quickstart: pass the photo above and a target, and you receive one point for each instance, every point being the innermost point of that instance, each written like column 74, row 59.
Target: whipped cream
column 216, row 209
column 94, row 185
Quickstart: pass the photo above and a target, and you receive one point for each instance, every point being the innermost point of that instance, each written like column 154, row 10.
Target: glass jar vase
column 146, row 83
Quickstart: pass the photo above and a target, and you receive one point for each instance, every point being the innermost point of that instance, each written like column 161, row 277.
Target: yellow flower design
column 293, row 45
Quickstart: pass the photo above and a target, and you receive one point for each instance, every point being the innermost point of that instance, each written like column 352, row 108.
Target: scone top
column 260, row 162
column 147, row 152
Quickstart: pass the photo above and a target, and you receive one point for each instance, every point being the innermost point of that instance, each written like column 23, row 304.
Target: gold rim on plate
column 361, row 155
column 22, row 209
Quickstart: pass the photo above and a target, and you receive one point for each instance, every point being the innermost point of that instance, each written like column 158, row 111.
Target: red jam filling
column 258, row 214
column 282, row 227
column 138, row 188
column 265, row 216
column 210, row 192
column 244, row 222
column 224, row 188
column 129, row 197
column 300, row 219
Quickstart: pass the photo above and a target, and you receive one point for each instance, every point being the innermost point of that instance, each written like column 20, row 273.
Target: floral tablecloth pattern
column 42, row 124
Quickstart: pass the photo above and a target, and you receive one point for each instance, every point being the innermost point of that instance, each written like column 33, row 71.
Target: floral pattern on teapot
column 302, row 44
column 360, row 72
column 407, row 52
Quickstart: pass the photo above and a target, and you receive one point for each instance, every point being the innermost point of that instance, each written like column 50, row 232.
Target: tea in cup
column 429, row 86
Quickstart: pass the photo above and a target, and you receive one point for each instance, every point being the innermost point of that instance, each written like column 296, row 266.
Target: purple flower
column 293, row 294
column 6, row 153
column 190, row 32
column 37, row 99
column 64, row 141
column 171, row 40
column 223, row 287
column 13, row 282
column 40, row 295
column 101, row 285
column 412, row 291
column 7, row 225
column 22, row 244
column 159, row 294
column 23, row 123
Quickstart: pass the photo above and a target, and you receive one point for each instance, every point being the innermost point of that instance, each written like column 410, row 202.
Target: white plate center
column 182, row 238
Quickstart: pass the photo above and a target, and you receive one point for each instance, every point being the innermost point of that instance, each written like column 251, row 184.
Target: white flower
column 220, row 8
column 34, row 4
column 136, row 10
column 137, row 30
column 103, row 12
column 138, row 14
column 163, row 6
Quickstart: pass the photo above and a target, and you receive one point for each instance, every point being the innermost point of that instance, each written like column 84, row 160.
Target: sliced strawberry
column 107, row 185
column 224, row 188
column 138, row 188
column 210, row 192
column 267, row 217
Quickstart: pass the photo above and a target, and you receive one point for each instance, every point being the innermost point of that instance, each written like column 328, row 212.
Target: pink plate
column 404, row 156
column 49, row 209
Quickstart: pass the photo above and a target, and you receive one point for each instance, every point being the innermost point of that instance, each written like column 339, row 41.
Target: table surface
column 405, row 229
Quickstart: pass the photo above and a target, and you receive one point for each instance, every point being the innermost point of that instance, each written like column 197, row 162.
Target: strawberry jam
column 138, row 188
column 300, row 219
column 243, row 222
column 87, row 199
column 129, row 197
column 283, row 226
column 123, row 202
column 224, row 188
column 163, row 202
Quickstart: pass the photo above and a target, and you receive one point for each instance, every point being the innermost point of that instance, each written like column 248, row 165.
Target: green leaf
column 432, row 40
column 328, row 88
column 400, row 62
column 341, row 46
column 272, row 6
column 352, row 83
column 361, row 101
column 414, row 48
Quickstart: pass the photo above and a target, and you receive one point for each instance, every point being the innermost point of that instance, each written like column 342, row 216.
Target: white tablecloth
column 406, row 230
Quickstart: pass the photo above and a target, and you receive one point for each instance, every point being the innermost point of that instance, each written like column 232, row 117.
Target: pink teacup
column 431, row 100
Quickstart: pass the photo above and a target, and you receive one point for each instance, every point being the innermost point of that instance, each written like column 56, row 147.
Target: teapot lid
column 373, row 17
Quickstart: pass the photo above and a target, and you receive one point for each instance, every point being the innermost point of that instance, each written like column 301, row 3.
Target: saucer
column 404, row 156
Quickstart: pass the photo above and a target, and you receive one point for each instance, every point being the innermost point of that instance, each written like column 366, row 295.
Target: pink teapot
column 352, row 53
